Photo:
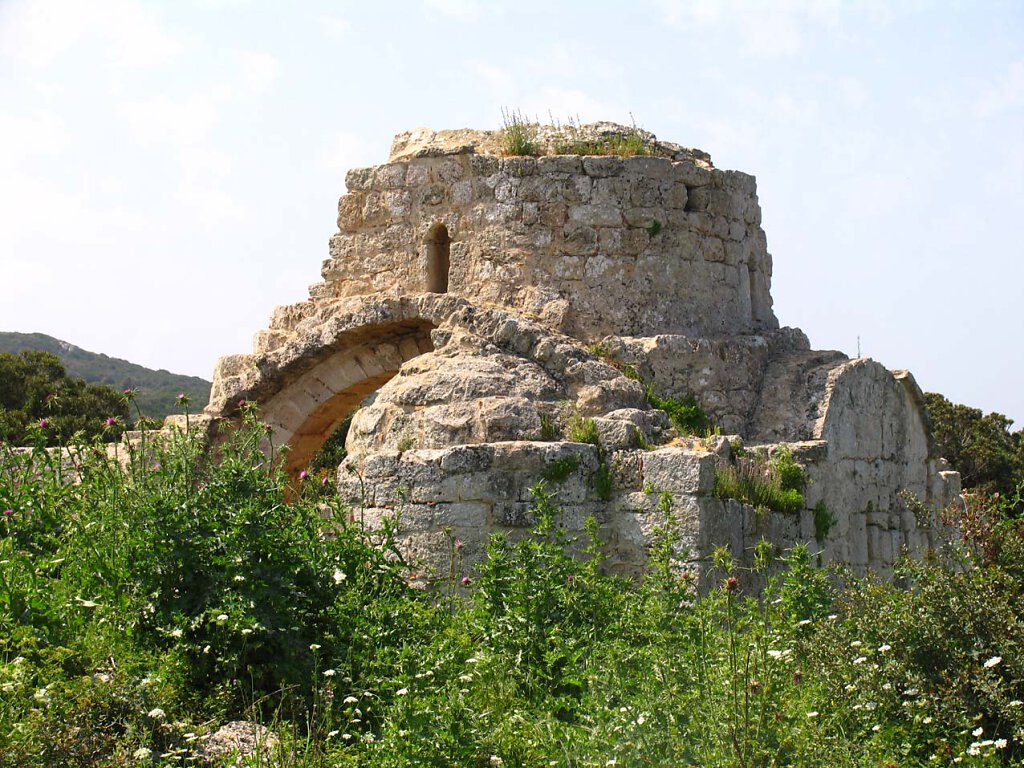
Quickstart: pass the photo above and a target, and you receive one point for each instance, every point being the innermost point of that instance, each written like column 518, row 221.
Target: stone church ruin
column 485, row 312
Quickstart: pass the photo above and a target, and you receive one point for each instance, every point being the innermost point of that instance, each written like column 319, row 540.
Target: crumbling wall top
column 548, row 140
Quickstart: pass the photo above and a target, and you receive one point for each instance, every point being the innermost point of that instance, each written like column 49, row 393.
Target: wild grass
column 776, row 484
column 146, row 600
column 519, row 135
column 573, row 139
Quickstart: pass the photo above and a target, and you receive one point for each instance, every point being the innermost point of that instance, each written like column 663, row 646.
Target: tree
column 982, row 448
column 34, row 388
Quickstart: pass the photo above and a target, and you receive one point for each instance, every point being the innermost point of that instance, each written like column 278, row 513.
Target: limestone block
column 360, row 179
column 390, row 176
column 462, row 193
column 600, row 166
column 691, row 174
column 513, row 514
column 577, row 239
column 517, row 167
column 649, row 192
column 857, row 540
column 462, row 515
column 417, row 174
column 449, row 170
column 649, row 167
column 561, row 164
column 596, row 215
column 679, row 471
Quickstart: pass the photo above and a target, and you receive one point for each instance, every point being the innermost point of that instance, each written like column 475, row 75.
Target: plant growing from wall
column 582, row 429
column 824, row 520
column 559, row 470
column 519, row 135
column 685, row 412
column 775, row 484
column 574, row 140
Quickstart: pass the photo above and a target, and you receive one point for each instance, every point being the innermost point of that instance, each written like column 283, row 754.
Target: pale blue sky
column 169, row 171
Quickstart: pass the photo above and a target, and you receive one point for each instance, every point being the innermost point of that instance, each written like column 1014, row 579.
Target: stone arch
column 438, row 246
column 318, row 362
column 311, row 407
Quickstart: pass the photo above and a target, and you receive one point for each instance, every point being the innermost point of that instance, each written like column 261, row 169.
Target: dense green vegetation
column 982, row 448
column 156, row 391
column 38, row 400
column 145, row 601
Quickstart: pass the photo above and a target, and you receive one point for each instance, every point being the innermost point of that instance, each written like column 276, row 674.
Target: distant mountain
column 157, row 390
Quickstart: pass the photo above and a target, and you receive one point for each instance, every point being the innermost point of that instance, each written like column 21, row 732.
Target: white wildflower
column 999, row 743
column 142, row 753
column 350, row 700
column 885, row 648
column 860, row 659
column 495, row 761
column 329, row 673
column 221, row 618
column 339, row 576
column 246, row 631
column 812, row 714
column 314, row 647
column 177, row 632
column 401, row 691
column 977, row 732
column 994, row 661
column 156, row 713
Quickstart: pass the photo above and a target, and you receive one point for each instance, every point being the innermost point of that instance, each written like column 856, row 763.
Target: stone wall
column 676, row 242
column 467, row 493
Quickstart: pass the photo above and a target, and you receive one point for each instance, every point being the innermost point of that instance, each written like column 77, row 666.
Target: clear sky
column 169, row 171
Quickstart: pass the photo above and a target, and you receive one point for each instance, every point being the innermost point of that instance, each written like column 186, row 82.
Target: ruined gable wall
column 591, row 246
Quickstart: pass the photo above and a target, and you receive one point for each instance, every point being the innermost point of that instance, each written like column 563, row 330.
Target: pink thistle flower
column 465, row 581
column 111, row 421
column 8, row 512
column 303, row 475
column 731, row 584
column 459, row 544
column 43, row 423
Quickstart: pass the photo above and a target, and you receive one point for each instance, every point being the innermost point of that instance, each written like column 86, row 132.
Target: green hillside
column 157, row 390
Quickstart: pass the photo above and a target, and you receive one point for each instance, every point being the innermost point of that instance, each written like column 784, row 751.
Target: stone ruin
column 475, row 306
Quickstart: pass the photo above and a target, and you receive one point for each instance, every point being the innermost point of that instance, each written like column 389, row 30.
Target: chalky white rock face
column 475, row 305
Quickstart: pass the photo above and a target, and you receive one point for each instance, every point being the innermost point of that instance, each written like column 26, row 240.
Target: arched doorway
column 438, row 244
